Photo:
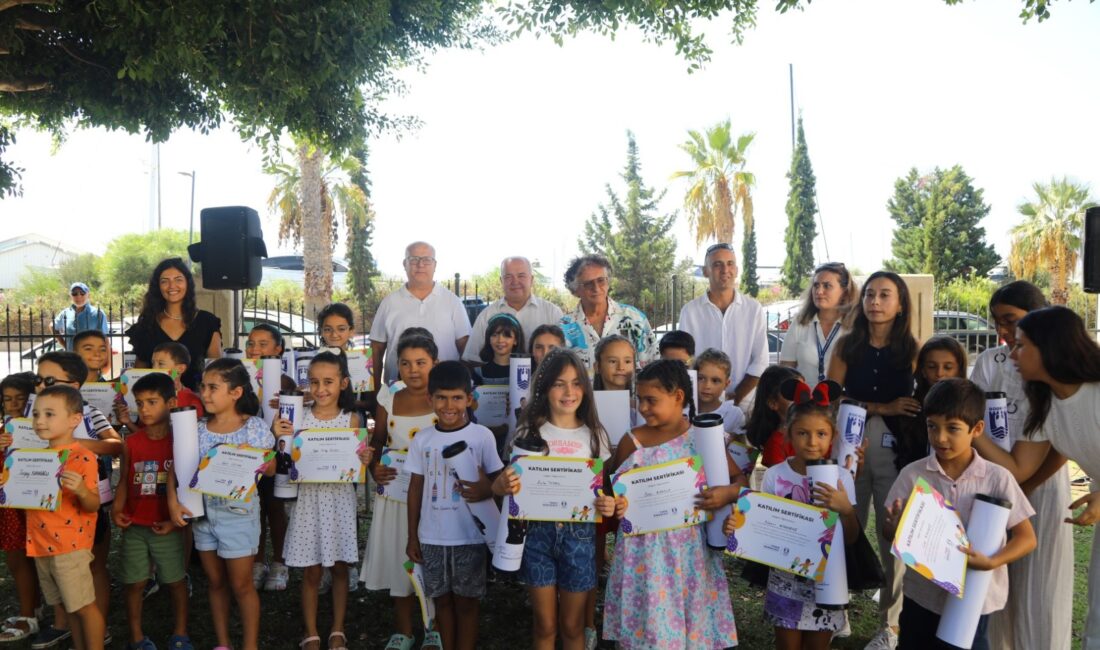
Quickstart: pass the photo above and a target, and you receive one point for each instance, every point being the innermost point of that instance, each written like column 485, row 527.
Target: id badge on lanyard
column 822, row 349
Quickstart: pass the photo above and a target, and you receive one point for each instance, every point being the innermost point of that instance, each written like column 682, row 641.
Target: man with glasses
column 597, row 315
column 516, row 279
column 421, row 302
column 727, row 320
column 79, row 316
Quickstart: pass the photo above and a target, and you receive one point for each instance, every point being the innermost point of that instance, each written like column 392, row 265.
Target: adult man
column 421, row 302
column 77, row 317
column 727, row 320
column 531, row 311
column 597, row 315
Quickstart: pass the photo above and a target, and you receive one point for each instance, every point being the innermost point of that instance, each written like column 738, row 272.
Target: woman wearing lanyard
column 875, row 364
column 826, row 315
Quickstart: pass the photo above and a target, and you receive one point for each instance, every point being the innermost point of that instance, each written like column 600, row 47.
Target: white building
column 31, row 250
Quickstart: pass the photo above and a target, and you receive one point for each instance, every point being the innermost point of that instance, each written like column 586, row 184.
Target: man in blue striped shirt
column 77, row 317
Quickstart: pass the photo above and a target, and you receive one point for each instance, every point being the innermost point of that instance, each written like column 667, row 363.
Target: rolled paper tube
column 28, row 410
column 271, row 369
column 185, row 456
column 996, row 420
column 851, row 420
column 288, row 362
column 128, row 361
column 234, row 353
column 292, row 407
column 694, row 375
column 460, row 459
column 986, row 530
column 831, row 592
column 709, row 439
column 519, row 381
column 511, row 533
column 302, row 357
column 284, row 489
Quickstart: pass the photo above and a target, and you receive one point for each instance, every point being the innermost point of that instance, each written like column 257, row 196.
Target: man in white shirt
column 730, row 321
column 531, row 311
column 421, row 302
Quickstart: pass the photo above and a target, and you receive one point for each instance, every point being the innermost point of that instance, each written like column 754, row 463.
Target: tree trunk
column 1059, row 293
column 316, row 240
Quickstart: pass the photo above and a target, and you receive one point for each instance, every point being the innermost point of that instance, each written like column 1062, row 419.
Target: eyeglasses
column 49, row 381
column 593, row 284
column 342, row 329
column 720, row 246
column 78, row 292
column 420, row 260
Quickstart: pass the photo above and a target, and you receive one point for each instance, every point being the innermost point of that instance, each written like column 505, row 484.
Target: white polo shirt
column 741, row 333
column 440, row 312
column 801, row 345
column 531, row 315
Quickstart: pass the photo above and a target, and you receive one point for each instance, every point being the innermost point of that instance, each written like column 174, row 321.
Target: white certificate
column 125, row 386
column 360, row 365
column 23, row 435
column 101, row 394
column 787, row 535
column 397, row 489
column 613, row 409
column 662, row 497
column 230, row 471
column 556, row 489
column 31, row 478
column 928, row 538
column 492, row 405
column 743, row 456
column 328, row 456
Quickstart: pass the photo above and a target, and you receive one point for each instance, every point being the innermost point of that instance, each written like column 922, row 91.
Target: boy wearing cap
column 79, row 316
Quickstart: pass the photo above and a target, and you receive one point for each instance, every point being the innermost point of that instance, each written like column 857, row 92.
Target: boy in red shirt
column 141, row 511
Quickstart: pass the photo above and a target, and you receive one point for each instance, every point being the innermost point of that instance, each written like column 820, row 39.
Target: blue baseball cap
column 78, row 285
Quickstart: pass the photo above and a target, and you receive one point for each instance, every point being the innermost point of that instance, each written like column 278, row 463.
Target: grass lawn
column 505, row 621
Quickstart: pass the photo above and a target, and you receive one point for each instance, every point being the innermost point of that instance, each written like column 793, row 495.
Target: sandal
column 12, row 630
column 49, row 637
column 308, row 640
column 400, row 642
column 432, row 640
column 343, row 644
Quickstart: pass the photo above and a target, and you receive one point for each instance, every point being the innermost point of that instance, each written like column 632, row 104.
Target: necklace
column 165, row 312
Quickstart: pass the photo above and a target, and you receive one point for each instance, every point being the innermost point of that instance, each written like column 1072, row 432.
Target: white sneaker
column 886, row 639
column 353, row 579
column 259, row 574
column 277, row 577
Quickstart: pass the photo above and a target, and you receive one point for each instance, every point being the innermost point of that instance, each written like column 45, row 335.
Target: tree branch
column 8, row 4
column 23, row 85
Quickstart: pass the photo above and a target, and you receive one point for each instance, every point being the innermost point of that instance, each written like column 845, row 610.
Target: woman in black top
column 168, row 313
column 875, row 364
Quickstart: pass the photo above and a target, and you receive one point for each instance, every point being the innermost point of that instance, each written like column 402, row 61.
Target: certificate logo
column 853, row 429
column 523, row 377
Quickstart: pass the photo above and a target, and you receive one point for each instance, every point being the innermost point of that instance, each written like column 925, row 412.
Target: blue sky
column 518, row 141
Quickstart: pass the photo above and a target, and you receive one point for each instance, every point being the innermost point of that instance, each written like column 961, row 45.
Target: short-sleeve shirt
column 624, row 320
column 533, row 314
column 70, row 322
column 145, row 337
column 783, row 480
column 741, row 332
column 146, row 478
column 187, row 397
column 254, row 433
column 440, row 312
column 1073, row 428
column 980, row 477
column 573, row 443
column 68, row 528
column 444, row 519
column 733, row 418
column 801, row 344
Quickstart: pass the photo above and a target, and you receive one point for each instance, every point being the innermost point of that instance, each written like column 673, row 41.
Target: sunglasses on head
column 721, row 246
column 49, row 381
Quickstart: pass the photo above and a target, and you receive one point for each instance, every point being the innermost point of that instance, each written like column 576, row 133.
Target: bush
column 965, row 294
column 129, row 260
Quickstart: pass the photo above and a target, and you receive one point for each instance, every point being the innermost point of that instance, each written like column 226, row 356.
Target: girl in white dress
column 321, row 532
column 403, row 409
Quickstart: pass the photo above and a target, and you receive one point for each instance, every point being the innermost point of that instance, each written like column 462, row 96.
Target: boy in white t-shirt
column 443, row 537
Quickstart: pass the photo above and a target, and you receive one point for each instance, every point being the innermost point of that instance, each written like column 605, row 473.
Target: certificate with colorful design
column 427, row 605
column 231, row 471
column 743, row 456
column 662, row 497
column 31, row 478
column 360, row 366
column 125, row 384
column 928, row 538
column 781, row 533
column 328, row 456
column 23, row 435
column 101, row 394
column 397, row 489
column 492, row 405
column 556, row 489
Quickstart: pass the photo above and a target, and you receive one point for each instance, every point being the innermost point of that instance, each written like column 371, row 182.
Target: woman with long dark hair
column 875, row 364
column 1060, row 364
column 168, row 313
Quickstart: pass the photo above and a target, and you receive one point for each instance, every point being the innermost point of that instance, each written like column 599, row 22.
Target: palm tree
column 720, row 187
column 1050, row 236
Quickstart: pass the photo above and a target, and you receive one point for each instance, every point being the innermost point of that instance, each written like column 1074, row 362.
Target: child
column 175, row 358
column 558, row 563
column 337, row 325
column 96, row 435
column 141, row 511
column 404, row 409
column 712, row 369
column 677, row 345
column 955, row 411
column 789, row 603
column 322, row 531
column 615, row 364
column 941, row 357
column 666, row 590
column 765, row 427
column 227, row 538
column 544, row 339
column 442, row 534
column 60, row 541
column 503, row 336
column 93, row 348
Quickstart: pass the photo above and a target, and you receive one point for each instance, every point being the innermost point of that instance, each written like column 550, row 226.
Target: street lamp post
column 191, row 229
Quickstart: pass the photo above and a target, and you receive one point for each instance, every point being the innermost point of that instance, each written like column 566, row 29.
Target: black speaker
column 1092, row 250
column 230, row 248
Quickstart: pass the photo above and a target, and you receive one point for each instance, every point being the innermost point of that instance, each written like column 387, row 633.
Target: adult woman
column 826, row 315
column 168, row 313
column 875, row 364
column 1060, row 364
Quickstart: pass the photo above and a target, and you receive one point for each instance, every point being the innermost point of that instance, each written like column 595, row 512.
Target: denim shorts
column 232, row 528
column 559, row 553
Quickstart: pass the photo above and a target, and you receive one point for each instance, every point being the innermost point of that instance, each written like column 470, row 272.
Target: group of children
column 664, row 590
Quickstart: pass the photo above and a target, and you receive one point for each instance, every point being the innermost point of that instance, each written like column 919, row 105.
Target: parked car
column 972, row 331
column 297, row 330
column 474, row 306
column 780, row 315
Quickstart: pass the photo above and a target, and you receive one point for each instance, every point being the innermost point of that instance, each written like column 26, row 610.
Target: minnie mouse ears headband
column 799, row 392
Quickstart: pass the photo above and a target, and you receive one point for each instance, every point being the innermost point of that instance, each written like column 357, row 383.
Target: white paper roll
column 128, row 361
column 28, row 410
column 291, row 407
column 709, row 439
column 996, row 420
column 519, row 382
column 288, row 362
column 185, row 456
column 460, row 459
column 283, row 488
column 986, row 530
column 511, row 533
column 831, row 592
column 233, row 353
column 271, row 379
column 694, row 375
column 302, row 357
